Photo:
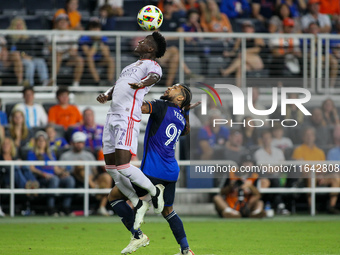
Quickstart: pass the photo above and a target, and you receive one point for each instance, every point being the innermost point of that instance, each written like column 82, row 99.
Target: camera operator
column 239, row 197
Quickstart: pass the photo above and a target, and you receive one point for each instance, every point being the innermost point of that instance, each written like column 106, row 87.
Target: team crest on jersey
column 139, row 63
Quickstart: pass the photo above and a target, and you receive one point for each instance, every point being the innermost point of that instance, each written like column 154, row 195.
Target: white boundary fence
column 12, row 191
column 308, row 59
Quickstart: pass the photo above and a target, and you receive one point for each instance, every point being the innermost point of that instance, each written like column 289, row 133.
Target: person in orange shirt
column 74, row 16
column 63, row 113
column 213, row 20
column 239, row 197
column 309, row 151
column 330, row 7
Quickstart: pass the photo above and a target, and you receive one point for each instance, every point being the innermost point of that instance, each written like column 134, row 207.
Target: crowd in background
column 34, row 132
column 316, row 138
column 24, row 55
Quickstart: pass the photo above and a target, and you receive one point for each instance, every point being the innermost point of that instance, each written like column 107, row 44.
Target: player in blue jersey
column 168, row 121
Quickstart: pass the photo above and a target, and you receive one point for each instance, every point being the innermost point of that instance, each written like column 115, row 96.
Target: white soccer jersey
column 127, row 101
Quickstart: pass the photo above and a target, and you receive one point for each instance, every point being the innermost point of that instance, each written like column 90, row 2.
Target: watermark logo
column 238, row 102
column 204, row 97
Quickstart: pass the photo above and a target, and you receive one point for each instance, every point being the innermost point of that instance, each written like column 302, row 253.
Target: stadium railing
column 86, row 191
column 209, row 50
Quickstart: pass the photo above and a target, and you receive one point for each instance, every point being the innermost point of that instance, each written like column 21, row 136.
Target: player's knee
column 167, row 210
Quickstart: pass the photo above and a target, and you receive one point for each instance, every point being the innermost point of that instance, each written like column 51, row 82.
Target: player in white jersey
column 121, row 130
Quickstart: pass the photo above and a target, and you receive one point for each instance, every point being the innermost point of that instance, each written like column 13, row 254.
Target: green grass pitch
column 206, row 235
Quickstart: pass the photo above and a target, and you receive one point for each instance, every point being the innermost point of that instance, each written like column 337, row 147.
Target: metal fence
column 12, row 191
column 205, row 56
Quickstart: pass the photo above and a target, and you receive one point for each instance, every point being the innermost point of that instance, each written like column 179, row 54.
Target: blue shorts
column 169, row 191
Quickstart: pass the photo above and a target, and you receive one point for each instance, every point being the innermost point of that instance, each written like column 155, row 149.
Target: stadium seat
column 34, row 22
column 126, row 24
column 38, row 7
column 132, row 7
column 48, row 105
column 4, row 22
column 12, row 7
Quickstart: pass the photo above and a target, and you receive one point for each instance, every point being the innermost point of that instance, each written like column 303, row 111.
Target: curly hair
column 161, row 44
column 187, row 94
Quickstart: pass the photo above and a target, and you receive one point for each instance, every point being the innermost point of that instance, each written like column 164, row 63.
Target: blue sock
column 177, row 228
column 123, row 210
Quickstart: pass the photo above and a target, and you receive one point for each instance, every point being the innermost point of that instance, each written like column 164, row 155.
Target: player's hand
column 137, row 85
column 192, row 106
column 102, row 98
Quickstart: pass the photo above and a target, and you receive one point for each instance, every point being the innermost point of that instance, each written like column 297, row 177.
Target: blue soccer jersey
column 165, row 125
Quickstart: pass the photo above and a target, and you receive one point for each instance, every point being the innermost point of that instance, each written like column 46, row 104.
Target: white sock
column 137, row 177
column 123, row 184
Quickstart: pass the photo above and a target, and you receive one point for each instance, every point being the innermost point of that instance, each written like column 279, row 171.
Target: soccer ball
column 150, row 18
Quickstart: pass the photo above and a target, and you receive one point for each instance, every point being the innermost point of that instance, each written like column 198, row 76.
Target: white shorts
column 120, row 132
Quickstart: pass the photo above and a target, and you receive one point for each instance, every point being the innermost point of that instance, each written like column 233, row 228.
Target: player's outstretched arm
column 149, row 80
column 107, row 96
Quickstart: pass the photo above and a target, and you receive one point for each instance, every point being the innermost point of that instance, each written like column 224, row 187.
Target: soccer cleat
column 140, row 213
column 186, row 252
column 135, row 244
column 158, row 200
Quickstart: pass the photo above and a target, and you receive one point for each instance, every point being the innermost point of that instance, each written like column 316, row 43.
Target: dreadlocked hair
column 187, row 93
column 161, row 44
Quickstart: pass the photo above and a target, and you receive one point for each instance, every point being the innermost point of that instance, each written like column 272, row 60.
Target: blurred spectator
column 263, row 10
column 93, row 131
column 295, row 6
column 106, row 17
column 212, row 20
column 239, row 197
column 330, row 7
column 56, row 143
column 334, row 153
column 177, row 7
column 96, row 180
column 96, row 51
column 235, row 8
column 335, row 43
column 279, row 141
column 309, row 151
column 314, row 16
column 170, row 60
column 34, row 113
column 319, row 124
column 116, row 6
column 330, row 112
column 18, row 130
column 266, row 155
column 286, row 51
column 12, row 58
column 64, row 113
column 3, row 116
column 49, row 176
column 253, row 59
column 67, row 49
column 73, row 15
column 30, row 50
column 257, row 105
column 314, row 28
column 234, row 149
column 249, row 133
column 276, row 22
column 23, row 176
column 192, row 24
column 211, row 137
column 2, row 133
column 192, row 5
